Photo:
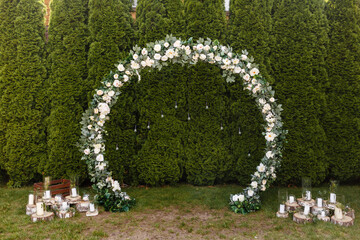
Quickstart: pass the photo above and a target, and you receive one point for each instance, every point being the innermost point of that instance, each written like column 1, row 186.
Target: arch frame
column 156, row 55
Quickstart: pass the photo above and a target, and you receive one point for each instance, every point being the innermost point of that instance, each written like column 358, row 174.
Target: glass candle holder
column 319, row 202
column 282, row 208
column 93, row 207
column 306, row 188
column 291, row 199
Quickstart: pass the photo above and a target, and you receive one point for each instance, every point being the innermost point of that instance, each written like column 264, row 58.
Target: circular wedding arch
column 235, row 68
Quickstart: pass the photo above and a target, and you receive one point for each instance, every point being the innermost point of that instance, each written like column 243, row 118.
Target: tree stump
column 282, row 215
column 350, row 213
column 291, row 206
column 82, row 206
column 64, row 214
column 72, row 200
column 303, row 202
column 48, row 216
column 330, row 205
column 300, row 218
column 325, row 218
column 345, row 221
column 30, row 209
column 317, row 210
column 92, row 214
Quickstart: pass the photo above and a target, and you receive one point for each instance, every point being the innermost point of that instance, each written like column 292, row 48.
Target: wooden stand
column 92, row 214
column 72, row 200
column 64, row 214
column 345, row 221
column 30, row 209
column 317, row 210
column 303, row 202
column 291, row 206
column 330, row 205
column 282, row 215
column 48, row 216
column 325, row 219
column 300, row 218
column 82, row 206
column 351, row 213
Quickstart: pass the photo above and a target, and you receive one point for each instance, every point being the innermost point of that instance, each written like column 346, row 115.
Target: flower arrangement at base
column 240, row 204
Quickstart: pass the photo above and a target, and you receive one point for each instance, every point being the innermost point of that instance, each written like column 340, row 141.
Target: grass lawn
column 177, row 212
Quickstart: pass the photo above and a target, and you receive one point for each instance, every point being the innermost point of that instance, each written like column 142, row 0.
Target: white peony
column 125, row 78
column 99, row 92
column 250, row 193
column 104, row 108
column 270, row 136
column 117, row 83
column 262, row 101
column 261, row 168
column 267, row 107
column 246, row 77
column 207, row 48
column 111, row 93
column 237, row 70
column 202, row 57
column 272, row 99
column 269, row 154
column 135, row 56
column 235, row 198
column 170, row 53
column 235, row 61
column 241, row 197
column 200, row 47
column 106, row 98
column 116, row 186
column 157, row 48
column 218, row 58
column 254, row 184
column 87, row 151
column 135, row 65
column 166, row 44
column 100, row 158
column 157, row 56
column 254, row 71
column 89, row 127
column 226, row 61
column 243, row 57
column 177, row 44
column 144, row 51
column 164, row 58
column 121, row 68
column 97, row 150
column 116, row 76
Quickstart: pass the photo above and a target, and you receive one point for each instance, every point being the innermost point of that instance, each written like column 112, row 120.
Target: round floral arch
column 157, row 55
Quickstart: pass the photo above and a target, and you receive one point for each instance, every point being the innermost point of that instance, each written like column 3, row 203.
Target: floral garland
column 159, row 54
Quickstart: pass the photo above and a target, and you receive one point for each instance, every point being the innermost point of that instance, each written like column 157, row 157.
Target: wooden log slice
column 82, row 206
column 303, row 202
column 30, row 209
column 72, row 200
column 330, row 205
column 300, row 218
column 64, row 214
column 317, row 210
column 291, row 206
column 282, row 215
column 346, row 221
column 325, row 219
column 48, row 216
column 350, row 213
column 92, row 214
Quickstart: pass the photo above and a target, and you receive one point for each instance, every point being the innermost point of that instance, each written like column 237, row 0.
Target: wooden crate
column 60, row 186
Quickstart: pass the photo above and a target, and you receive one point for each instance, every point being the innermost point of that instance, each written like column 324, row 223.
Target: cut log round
column 82, row 206
column 300, row 218
column 64, row 214
column 282, row 215
column 351, row 213
column 317, row 210
column 92, row 214
column 303, row 202
column 325, row 218
column 291, row 206
column 30, row 209
column 345, row 221
column 72, row 200
column 48, row 216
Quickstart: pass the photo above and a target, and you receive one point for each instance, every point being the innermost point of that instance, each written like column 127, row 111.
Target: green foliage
column 244, row 207
column 110, row 202
column 23, row 102
column 68, row 88
column 298, row 65
column 343, row 96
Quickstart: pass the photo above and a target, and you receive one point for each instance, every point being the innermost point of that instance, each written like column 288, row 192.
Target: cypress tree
column 68, row 88
column 23, row 100
column 343, row 65
column 300, row 78
column 111, row 34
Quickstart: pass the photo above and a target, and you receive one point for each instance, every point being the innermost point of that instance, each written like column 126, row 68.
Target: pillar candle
column 319, row 202
column 31, row 199
column 291, row 199
column 282, row 208
column 47, row 194
column 332, row 197
column 306, row 209
column 39, row 209
column 73, row 192
column 338, row 213
column 308, row 195
column 92, row 207
column 323, row 213
column 64, row 206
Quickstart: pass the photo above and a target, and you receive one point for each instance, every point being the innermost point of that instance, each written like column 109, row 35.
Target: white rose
column 235, row 198
column 270, row 136
column 102, row 116
column 194, row 48
column 263, row 188
column 267, row 107
column 254, row 184
column 257, row 174
column 254, row 72
column 262, row 101
column 256, row 88
column 157, row 48
column 97, row 150
column 125, row 78
column 87, row 151
column 207, row 48
column 108, row 84
column 253, row 81
column 96, row 111
column 188, row 51
column 106, row 98
column 202, row 57
column 164, row 58
column 214, row 47
column 218, row 58
column 99, row 92
column 269, row 154
column 92, row 118
column 273, row 175
column 226, row 61
column 121, row 68
column 104, row 108
column 166, row 44
column 200, row 47
column 272, row 99
column 237, row 70
column 128, row 73
column 248, row 65
column 246, row 77
column 196, row 56
column 243, row 57
column 272, row 169
column 223, row 48
column 157, row 56
column 144, row 51
column 89, row 127
column 116, row 186
column 250, row 193
column 229, row 54
column 135, row 65
column 117, row 83
column 241, row 197
column 116, row 76
column 235, row 61
column 170, row 53
column 263, row 182
column 111, row 93
column 261, row 168
column 100, row 158
column 135, row 56
column 177, row 44
column 211, row 56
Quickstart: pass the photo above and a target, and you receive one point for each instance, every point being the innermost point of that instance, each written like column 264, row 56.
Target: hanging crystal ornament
column 176, row 106
column 148, row 126
column 117, row 147
column 189, row 117
column 162, row 114
column 135, row 130
column 239, row 131
column 207, row 105
column 221, row 127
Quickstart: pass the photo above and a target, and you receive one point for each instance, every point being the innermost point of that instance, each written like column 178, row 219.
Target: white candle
column 92, row 207
column 73, row 192
column 319, row 202
column 332, row 197
column 338, row 213
column 39, row 209
column 47, row 194
column 282, row 208
column 64, row 206
column 31, row 199
column 291, row 199
column 308, row 195
column 306, row 209
column 323, row 213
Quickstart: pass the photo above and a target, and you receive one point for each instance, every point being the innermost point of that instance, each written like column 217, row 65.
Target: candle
column 47, row 194
column 282, row 208
column 31, row 199
column 319, row 202
column 338, row 213
column 323, row 213
column 92, row 207
column 332, row 197
column 73, row 192
column 308, row 195
column 64, row 206
column 291, row 199
column 306, row 209
column 39, row 209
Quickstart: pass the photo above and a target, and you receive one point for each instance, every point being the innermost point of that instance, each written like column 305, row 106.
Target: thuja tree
column 111, row 33
column 68, row 88
column 298, row 65
column 23, row 100
column 343, row 62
